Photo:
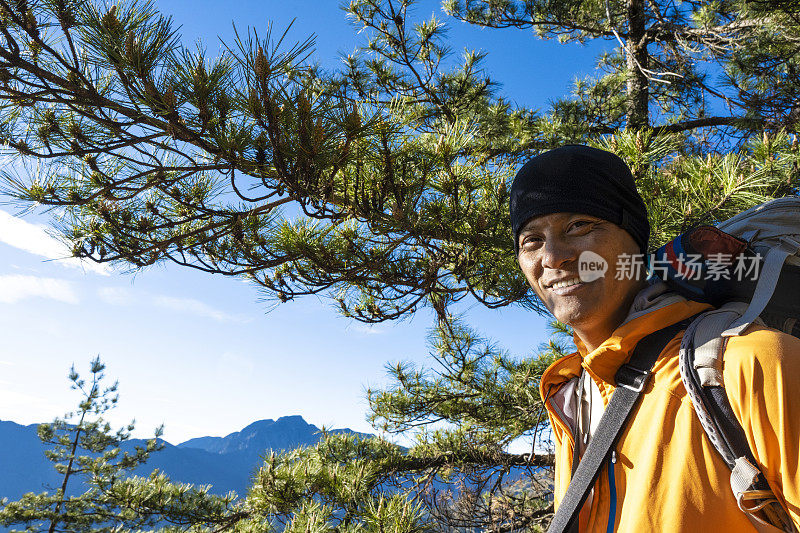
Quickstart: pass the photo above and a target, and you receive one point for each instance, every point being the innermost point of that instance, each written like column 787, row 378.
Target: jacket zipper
column 612, row 488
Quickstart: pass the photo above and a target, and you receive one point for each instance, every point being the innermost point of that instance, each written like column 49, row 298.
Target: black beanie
column 579, row 179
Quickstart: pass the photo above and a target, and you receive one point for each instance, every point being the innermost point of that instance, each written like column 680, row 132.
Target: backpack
column 748, row 267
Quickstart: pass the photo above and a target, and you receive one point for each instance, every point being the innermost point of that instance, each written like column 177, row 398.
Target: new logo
column 591, row 266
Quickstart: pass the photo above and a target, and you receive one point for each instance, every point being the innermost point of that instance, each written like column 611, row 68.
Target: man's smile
column 567, row 286
column 565, row 282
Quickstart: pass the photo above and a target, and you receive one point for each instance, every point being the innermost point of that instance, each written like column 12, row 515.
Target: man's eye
column 581, row 225
column 531, row 240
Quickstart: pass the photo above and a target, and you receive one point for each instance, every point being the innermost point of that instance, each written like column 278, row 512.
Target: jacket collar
column 654, row 308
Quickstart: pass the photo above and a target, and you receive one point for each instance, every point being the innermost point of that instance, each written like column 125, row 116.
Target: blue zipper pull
column 612, row 487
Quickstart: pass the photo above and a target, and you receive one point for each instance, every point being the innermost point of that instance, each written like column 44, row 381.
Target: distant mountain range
column 226, row 463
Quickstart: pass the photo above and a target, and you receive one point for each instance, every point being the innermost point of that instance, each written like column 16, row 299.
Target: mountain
column 23, row 467
column 226, row 463
column 253, row 441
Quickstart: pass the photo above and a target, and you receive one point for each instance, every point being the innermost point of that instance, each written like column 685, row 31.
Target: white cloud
column 34, row 239
column 116, row 295
column 14, row 288
column 194, row 307
column 124, row 296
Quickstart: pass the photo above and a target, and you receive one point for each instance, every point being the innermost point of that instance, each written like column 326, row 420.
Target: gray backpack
column 707, row 264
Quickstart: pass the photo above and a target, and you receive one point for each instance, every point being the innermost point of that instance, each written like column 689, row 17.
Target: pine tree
column 398, row 167
column 98, row 491
column 86, row 453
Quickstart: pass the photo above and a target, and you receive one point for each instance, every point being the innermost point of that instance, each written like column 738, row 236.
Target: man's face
column 549, row 248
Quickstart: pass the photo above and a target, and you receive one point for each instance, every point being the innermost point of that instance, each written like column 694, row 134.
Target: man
column 664, row 474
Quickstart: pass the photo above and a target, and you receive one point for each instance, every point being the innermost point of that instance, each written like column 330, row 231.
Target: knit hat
column 579, row 179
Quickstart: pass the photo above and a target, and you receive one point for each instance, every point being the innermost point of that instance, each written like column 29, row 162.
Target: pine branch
column 474, row 458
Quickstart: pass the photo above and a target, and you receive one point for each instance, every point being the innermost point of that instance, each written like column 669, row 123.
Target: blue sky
column 200, row 353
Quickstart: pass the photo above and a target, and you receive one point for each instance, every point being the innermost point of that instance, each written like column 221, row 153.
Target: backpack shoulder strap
column 631, row 381
column 701, row 355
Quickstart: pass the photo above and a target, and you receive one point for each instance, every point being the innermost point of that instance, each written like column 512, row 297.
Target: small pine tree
column 97, row 491
column 88, row 455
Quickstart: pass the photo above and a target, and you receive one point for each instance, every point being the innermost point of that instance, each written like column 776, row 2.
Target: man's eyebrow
column 538, row 225
column 592, row 218
column 530, row 227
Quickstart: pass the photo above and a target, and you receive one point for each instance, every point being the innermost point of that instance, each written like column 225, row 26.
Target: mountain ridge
column 226, row 463
column 287, row 432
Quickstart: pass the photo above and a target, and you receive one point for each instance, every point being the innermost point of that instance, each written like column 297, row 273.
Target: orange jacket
column 666, row 474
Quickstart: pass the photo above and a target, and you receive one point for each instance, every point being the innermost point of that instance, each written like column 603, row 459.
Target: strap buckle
column 631, row 378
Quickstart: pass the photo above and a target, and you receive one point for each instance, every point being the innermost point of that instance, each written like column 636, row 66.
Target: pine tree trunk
column 74, row 448
column 637, row 83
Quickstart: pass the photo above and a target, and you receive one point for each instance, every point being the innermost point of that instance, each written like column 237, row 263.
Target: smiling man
column 550, row 249
column 577, row 202
column 568, row 202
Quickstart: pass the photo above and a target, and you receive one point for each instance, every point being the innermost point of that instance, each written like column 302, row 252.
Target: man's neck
column 593, row 334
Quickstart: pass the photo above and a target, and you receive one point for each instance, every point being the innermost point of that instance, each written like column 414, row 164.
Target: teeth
column 568, row 283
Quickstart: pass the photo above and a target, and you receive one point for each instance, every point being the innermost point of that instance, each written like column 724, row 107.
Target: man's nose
column 556, row 253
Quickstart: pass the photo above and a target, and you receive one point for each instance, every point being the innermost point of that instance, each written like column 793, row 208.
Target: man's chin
column 572, row 317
